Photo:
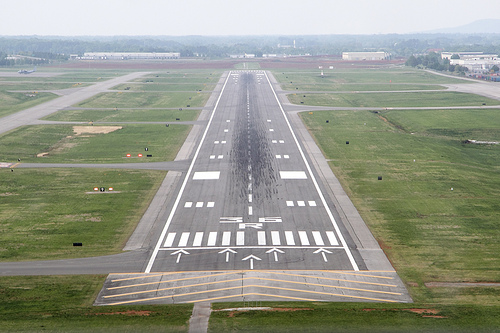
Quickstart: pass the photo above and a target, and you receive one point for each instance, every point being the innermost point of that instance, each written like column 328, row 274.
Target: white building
column 356, row 56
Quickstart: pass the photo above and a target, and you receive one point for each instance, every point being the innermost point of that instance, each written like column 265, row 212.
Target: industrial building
column 474, row 61
column 357, row 56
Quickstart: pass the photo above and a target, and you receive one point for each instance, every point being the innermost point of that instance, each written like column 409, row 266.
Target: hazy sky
column 237, row 17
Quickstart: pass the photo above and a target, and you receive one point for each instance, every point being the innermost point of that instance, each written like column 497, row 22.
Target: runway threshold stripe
column 170, row 239
column 331, row 238
column 289, row 238
column 212, row 238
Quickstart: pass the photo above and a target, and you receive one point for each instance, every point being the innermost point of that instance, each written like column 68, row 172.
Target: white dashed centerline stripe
column 183, row 186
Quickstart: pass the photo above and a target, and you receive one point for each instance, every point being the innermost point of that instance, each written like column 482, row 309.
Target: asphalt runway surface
column 250, row 198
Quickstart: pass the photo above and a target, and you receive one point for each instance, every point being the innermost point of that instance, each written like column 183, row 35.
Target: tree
column 494, row 69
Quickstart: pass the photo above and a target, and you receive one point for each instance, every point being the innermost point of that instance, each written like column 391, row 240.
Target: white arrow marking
column 275, row 251
column 322, row 251
column 251, row 257
column 227, row 251
column 179, row 253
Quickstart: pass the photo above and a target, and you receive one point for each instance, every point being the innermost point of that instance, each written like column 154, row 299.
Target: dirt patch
column 79, row 130
column 7, row 194
column 422, row 311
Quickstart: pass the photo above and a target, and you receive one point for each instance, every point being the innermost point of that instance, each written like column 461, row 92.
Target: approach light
column 128, row 155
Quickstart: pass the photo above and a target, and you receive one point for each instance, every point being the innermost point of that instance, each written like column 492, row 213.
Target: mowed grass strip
column 354, row 317
column 362, row 76
column 359, row 87
column 146, row 87
column 16, row 101
column 44, row 211
column 61, row 144
column 393, row 100
column 64, row 304
column 146, row 100
column 436, row 210
column 125, row 115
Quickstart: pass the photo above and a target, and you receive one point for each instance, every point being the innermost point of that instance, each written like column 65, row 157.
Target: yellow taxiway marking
column 328, row 278
column 239, row 272
column 13, row 166
column 253, row 286
column 175, row 280
column 252, row 278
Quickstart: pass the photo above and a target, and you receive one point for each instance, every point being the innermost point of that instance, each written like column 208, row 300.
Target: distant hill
column 476, row 27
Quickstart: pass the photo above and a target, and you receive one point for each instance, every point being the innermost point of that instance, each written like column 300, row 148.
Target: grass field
column 43, row 211
column 354, row 317
column 165, row 87
column 64, row 304
column 60, row 144
column 361, row 87
column 390, row 99
column 146, row 100
column 17, row 101
column 364, row 76
column 125, row 115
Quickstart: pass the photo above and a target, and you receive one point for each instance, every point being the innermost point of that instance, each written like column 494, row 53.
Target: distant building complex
column 126, row 55
column 474, row 61
column 357, row 56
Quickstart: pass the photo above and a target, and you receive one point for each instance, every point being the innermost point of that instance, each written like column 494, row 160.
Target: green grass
column 15, row 101
column 43, row 211
column 362, row 76
column 165, row 87
column 355, row 317
column 430, row 232
column 146, row 100
column 393, row 100
column 360, row 87
column 125, row 115
column 64, row 304
column 61, row 145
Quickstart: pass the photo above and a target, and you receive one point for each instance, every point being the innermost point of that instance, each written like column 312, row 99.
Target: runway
column 250, row 199
column 252, row 206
